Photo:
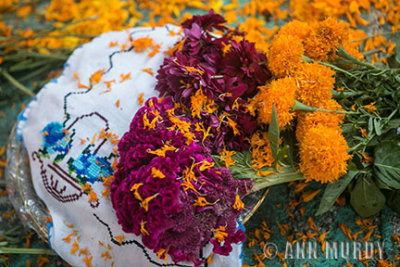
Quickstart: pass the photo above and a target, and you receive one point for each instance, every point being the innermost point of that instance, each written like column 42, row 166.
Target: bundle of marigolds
column 343, row 110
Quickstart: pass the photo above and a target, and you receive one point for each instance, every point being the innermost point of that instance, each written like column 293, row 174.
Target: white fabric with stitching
column 83, row 229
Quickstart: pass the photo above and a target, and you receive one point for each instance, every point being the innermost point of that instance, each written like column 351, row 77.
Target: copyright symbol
column 270, row 250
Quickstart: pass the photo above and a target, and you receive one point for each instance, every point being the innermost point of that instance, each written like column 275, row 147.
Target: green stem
column 16, row 84
column 7, row 250
column 339, row 69
column 12, row 230
column 353, row 148
column 370, row 52
column 46, row 56
column 26, row 65
column 274, row 179
column 301, row 107
column 309, row 60
column 35, row 73
column 343, row 53
column 13, row 240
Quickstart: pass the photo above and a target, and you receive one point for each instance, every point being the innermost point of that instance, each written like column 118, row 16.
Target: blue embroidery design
column 66, row 176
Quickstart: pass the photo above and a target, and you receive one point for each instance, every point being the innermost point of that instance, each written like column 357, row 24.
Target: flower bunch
column 319, row 78
column 168, row 190
column 322, row 148
column 212, row 73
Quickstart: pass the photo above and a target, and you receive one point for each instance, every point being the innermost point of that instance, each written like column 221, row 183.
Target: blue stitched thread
column 55, row 139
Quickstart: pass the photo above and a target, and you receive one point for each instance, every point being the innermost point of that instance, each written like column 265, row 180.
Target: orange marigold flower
column 296, row 28
column 312, row 119
column 315, row 84
column 280, row 92
column 352, row 46
column 256, row 32
column 326, row 38
column 285, row 54
column 323, row 154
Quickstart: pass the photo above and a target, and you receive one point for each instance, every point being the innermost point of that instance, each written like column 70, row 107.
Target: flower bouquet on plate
column 146, row 146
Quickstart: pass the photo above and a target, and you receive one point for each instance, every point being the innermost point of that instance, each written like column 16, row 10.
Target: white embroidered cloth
column 70, row 131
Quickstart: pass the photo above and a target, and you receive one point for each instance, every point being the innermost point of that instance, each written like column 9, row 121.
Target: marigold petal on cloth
column 71, row 130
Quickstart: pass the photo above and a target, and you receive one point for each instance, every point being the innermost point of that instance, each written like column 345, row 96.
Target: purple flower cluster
column 226, row 68
column 167, row 190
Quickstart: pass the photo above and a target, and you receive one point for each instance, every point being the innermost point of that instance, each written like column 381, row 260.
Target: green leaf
column 387, row 163
column 393, row 200
column 273, row 134
column 347, row 128
column 242, row 168
column 333, row 191
column 377, row 127
column 394, row 123
column 370, row 125
column 359, row 138
column 282, row 153
column 284, row 175
column 366, row 198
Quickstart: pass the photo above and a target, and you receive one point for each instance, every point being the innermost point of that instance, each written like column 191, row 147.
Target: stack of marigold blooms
column 322, row 148
column 222, row 106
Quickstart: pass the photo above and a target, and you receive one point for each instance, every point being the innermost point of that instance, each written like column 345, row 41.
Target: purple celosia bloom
column 227, row 71
column 166, row 187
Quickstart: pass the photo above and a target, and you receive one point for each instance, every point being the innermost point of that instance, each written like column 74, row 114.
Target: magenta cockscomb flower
column 212, row 76
column 167, row 189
